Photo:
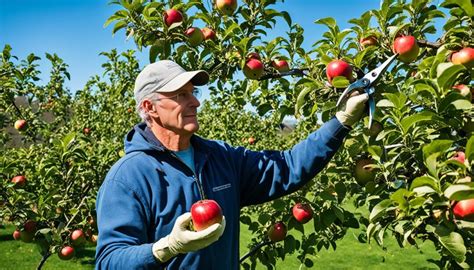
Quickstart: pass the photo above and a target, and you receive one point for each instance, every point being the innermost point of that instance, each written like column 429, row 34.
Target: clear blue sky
column 74, row 30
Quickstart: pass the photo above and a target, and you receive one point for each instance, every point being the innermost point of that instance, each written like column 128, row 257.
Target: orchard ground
column 350, row 254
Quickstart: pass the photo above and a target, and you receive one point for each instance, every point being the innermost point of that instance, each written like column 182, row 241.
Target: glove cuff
column 344, row 118
column 161, row 250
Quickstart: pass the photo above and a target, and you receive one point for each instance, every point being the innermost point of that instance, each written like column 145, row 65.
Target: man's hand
column 182, row 240
column 354, row 109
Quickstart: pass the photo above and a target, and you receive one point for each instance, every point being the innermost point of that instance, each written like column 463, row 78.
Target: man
column 143, row 205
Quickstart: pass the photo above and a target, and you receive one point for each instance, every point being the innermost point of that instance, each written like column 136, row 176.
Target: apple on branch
column 407, row 48
column 464, row 210
column 302, row 212
column 463, row 57
column 66, row 253
column 172, row 16
column 205, row 213
column 226, row 7
column 208, row 33
column 195, row 36
column 253, row 69
column 338, row 68
column 20, row 124
column 78, row 237
column 277, row 232
column 368, row 41
column 363, row 172
column 280, row 65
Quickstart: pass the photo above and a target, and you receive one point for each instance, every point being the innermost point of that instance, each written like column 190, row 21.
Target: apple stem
column 43, row 260
column 254, row 249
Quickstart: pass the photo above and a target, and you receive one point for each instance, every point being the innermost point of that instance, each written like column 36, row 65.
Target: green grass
column 350, row 254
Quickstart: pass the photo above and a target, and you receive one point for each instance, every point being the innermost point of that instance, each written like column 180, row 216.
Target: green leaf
column 436, row 147
column 400, row 198
column 454, row 100
column 340, row 82
column 453, row 242
column 329, row 21
column 458, row 192
column 447, row 73
column 424, row 181
column 465, row 5
column 301, row 100
column 470, row 149
column 431, row 164
column 379, row 210
column 411, row 120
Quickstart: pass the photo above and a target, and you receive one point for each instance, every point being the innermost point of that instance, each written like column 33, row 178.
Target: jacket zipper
column 195, row 177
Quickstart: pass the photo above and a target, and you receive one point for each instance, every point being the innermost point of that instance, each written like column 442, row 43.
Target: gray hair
column 139, row 108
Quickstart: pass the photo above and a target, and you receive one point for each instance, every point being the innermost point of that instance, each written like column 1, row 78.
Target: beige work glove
column 354, row 109
column 182, row 240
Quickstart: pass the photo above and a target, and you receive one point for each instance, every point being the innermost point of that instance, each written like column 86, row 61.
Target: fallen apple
column 19, row 181
column 20, row 124
column 205, row 213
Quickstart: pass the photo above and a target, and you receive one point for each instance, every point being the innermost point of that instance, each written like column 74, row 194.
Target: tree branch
column 296, row 72
column 433, row 45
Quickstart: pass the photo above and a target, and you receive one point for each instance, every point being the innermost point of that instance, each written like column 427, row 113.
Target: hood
column 138, row 139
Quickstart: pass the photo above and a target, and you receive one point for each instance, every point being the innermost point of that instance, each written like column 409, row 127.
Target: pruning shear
column 367, row 83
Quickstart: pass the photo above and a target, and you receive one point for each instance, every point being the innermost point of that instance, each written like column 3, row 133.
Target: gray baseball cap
column 166, row 76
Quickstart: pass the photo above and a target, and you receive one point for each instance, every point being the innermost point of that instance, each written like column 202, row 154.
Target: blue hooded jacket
column 148, row 188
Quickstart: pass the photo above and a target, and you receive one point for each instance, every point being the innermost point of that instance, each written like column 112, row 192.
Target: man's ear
column 150, row 108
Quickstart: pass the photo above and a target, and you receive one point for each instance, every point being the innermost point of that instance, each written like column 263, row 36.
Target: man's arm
column 123, row 232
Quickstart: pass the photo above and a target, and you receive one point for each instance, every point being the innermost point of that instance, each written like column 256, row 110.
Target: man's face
column 177, row 111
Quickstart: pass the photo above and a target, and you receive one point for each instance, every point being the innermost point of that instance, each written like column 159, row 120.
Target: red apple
column 251, row 140
column 464, row 210
column 195, row 36
column 19, row 180
column 208, row 33
column 368, row 41
column 66, row 253
column 459, row 156
column 30, row 226
column 302, row 212
column 20, row 124
column 463, row 57
column 277, row 232
column 407, row 48
column 363, row 173
column 226, row 7
column 204, row 213
column 280, row 65
column 78, row 237
column 17, row 235
column 464, row 90
column 338, row 68
column 93, row 239
column 253, row 55
column 253, row 69
column 86, row 131
column 172, row 16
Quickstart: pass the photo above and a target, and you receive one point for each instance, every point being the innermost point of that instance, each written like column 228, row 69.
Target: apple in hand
column 172, row 16
column 464, row 210
column 407, row 48
column 277, row 232
column 205, row 213
column 66, row 253
column 302, row 212
column 338, row 68
column 463, row 57
column 20, row 124
column 253, row 69
column 280, row 65
column 19, row 180
column 226, row 7
column 195, row 36
column 364, row 173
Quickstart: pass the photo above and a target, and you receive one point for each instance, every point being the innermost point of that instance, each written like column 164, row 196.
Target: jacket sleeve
column 267, row 175
column 123, row 229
